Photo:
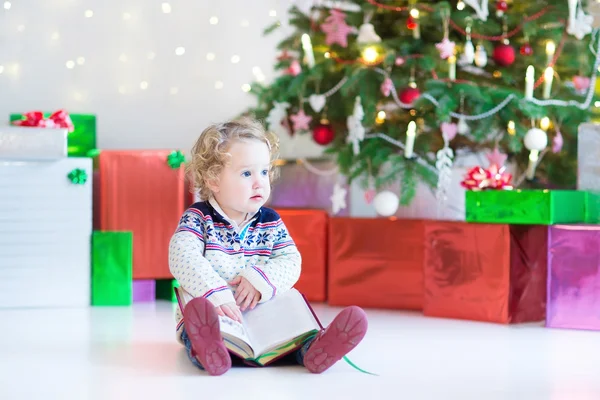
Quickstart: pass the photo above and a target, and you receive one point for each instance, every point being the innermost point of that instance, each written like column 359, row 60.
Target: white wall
column 38, row 37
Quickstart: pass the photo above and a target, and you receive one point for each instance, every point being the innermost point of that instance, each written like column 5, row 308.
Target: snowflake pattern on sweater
column 207, row 251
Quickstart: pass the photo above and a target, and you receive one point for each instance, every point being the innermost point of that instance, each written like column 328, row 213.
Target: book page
column 278, row 321
column 235, row 336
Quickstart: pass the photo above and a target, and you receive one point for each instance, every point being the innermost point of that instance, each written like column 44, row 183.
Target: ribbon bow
column 78, row 176
column 175, row 159
column 492, row 178
column 58, row 119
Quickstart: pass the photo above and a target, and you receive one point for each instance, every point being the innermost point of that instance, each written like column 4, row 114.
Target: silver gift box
column 29, row 143
column 588, row 157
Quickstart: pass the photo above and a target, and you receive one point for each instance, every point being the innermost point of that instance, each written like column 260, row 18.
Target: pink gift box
column 573, row 277
column 144, row 290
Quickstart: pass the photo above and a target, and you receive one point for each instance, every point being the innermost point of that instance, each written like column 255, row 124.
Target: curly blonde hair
column 210, row 152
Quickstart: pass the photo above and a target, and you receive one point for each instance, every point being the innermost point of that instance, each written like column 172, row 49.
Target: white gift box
column 425, row 205
column 45, row 234
column 588, row 157
column 30, row 143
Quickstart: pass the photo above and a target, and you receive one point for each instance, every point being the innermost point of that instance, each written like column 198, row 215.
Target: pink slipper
column 338, row 339
column 203, row 329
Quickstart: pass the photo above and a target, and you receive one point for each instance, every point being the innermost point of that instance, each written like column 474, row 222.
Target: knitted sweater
column 208, row 250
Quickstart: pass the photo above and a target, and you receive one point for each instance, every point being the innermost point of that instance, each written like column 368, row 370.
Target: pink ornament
column 496, row 158
column 449, row 130
column 386, row 87
column 300, row 121
column 557, row 142
column 400, row 61
column 336, row 29
column 294, row 69
column 446, row 48
column 581, row 83
column 370, row 195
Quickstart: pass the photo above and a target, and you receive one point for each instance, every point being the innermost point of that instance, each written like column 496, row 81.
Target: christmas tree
column 395, row 89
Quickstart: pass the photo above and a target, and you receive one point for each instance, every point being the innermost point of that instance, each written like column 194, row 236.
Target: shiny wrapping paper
column 574, row 277
column 112, row 255
column 485, row 272
column 144, row 290
column 592, row 207
column 529, row 207
column 376, row 263
column 83, row 137
column 139, row 192
column 297, row 187
column 308, row 228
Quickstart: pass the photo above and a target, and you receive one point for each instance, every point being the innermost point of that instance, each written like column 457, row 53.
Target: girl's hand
column 245, row 294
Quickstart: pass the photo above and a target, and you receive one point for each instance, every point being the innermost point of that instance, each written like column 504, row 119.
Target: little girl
column 230, row 253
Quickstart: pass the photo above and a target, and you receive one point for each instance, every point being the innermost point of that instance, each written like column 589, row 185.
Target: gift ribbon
column 78, row 176
column 492, row 178
column 58, row 119
column 357, row 367
column 175, row 159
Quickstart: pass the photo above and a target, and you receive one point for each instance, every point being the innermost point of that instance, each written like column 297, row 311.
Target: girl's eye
column 246, row 174
column 265, row 172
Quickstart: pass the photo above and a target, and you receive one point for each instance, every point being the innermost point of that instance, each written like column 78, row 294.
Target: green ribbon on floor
column 357, row 367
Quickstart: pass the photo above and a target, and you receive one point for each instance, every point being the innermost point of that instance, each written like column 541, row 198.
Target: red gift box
column 308, row 228
column 376, row 263
column 139, row 192
column 485, row 272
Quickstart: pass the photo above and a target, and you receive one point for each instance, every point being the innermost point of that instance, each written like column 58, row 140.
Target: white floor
column 130, row 353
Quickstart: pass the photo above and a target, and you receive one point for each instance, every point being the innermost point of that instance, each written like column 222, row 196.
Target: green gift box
column 530, row 207
column 82, row 139
column 165, row 289
column 592, row 207
column 112, row 268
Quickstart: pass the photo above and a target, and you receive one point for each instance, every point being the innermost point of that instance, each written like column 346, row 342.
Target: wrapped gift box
column 529, row 207
column 592, row 207
column 574, row 277
column 20, row 143
column 83, row 137
column 485, row 272
column 376, row 263
column 45, row 234
column 299, row 187
column 139, row 192
column 112, row 255
column 308, row 228
column 588, row 157
column 144, row 290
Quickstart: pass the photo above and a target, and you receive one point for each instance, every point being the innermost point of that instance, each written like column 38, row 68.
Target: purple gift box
column 308, row 185
column 144, row 290
column 573, row 277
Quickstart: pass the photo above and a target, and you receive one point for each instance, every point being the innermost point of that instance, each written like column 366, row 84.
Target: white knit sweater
column 208, row 250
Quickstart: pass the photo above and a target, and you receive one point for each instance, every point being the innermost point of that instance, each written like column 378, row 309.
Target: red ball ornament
column 526, row 50
column 409, row 95
column 504, row 55
column 501, row 7
column 323, row 133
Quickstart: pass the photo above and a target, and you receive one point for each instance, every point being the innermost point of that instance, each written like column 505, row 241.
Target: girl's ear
column 213, row 185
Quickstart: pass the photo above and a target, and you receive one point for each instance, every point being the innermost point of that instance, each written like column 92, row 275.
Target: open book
column 271, row 330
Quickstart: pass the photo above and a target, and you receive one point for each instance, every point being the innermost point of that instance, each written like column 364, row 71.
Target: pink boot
column 341, row 336
column 203, row 329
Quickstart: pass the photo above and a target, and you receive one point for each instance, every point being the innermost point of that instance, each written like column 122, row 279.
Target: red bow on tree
column 58, row 119
column 492, row 178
